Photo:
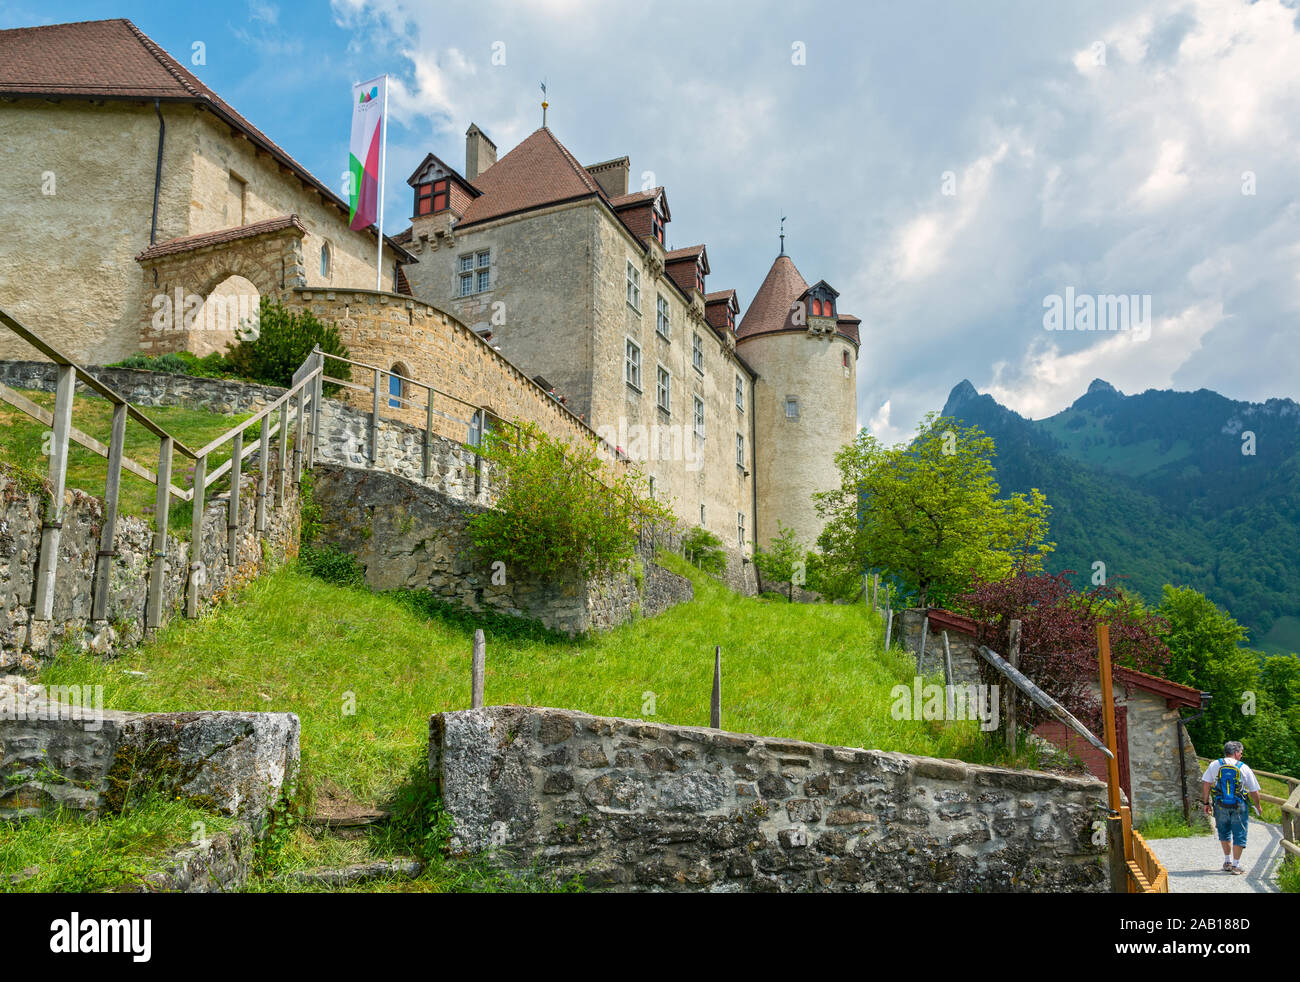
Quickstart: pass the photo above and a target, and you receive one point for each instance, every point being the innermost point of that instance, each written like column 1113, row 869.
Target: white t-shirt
column 1248, row 779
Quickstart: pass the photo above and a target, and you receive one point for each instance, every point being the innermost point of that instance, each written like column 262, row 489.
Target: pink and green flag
column 368, row 102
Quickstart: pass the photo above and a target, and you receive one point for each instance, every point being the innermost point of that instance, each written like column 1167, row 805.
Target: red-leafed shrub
column 1058, row 639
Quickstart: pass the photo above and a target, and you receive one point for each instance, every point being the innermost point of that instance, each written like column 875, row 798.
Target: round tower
column 805, row 351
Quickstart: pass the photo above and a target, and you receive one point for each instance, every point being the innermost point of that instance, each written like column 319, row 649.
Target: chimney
column 612, row 175
column 480, row 152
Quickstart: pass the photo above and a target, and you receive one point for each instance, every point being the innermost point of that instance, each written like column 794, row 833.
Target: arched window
column 325, row 260
column 395, row 386
column 816, row 307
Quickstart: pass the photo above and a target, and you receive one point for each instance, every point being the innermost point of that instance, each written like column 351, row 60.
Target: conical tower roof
column 770, row 307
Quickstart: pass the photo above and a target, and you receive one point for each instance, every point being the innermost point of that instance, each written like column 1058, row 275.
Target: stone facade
column 60, row 216
column 412, row 536
column 631, row 805
column 797, row 453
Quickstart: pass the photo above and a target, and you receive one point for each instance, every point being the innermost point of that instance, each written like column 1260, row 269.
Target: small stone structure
column 57, row 752
column 630, row 805
column 1146, row 710
column 411, row 535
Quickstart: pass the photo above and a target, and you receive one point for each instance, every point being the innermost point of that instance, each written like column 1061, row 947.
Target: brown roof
column 187, row 243
column 114, row 59
column 721, row 295
column 538, row 172
column 770, row 308
column 635, row 198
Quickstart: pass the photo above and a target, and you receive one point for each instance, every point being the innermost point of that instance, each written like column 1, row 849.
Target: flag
column 368, row 101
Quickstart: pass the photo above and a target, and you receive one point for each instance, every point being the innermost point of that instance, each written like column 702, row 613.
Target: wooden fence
column 1290, row 806
column 294, row 409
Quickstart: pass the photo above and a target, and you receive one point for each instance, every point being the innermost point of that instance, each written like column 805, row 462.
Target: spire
column 782, row 235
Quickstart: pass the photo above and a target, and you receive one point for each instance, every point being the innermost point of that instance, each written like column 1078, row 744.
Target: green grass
column 1170, row 824
column 364, row 671
column 72, row 855
column 1288, row 876
column 24, row 441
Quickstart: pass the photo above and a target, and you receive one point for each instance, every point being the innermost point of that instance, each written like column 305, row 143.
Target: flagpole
column 383, row 164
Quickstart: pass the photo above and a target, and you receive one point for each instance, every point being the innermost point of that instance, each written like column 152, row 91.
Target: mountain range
column 1188, row 488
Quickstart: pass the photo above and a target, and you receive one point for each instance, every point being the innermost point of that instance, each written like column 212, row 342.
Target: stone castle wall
column 631, row 805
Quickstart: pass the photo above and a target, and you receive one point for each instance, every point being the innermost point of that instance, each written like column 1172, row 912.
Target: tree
column 704, row 549
column 930, row 513
column 1204, row 644
column 272, row 350
column 785, row 560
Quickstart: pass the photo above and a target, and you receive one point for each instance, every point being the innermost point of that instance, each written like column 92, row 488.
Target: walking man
column 1230, row 781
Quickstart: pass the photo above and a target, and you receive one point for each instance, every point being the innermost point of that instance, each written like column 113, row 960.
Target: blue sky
column 946, row 166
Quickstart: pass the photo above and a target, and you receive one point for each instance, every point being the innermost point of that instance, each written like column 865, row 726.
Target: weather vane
column 544, row 104
column 783, row 235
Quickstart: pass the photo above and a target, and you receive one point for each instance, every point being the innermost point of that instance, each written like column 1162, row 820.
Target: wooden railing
column 1146, row 874
column 1290, row 806
column 294, row 409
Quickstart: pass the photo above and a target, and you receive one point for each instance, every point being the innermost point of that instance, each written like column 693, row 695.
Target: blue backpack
column 1227, row 789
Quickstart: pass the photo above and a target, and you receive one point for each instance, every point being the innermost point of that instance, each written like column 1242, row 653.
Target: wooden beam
column 107, row 533
column 47, row 563
column 162, row 502
column 198, row 575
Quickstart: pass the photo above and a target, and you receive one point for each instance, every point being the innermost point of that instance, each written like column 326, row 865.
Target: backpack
column 1227, row 789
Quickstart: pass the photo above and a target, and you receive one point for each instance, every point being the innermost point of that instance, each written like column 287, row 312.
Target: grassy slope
column 293, row 643
column 23, row 439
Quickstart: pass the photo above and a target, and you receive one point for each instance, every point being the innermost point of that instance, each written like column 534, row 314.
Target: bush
column 333, row 565
column 281, row 343
column 180, row 363
column 557, row 508
column 704, row 549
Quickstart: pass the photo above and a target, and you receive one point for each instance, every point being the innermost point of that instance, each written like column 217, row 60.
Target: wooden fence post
column 112, row 490
column 1118, row 865
column 232, row 512
column 950, row 700
column 297, row 438
column 317, row 398
column 428, row 433
column 920, row 655
column 263, row 472
column 1013, row 659
column 477, row 669
column 197, row 573
column 374, row 423
column 162, row 503
column 715, row 703
column 281, row 471
column 48, row 562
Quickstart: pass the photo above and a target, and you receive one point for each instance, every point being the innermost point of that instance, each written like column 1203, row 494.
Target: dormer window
column 731, row 319
column 699, row 277
column 432, row 198
column 657, row 225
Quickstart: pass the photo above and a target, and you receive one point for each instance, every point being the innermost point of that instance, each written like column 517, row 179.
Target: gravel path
column 1195, row 864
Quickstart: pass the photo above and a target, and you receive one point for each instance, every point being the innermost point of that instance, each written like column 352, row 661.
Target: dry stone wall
column 629, row 805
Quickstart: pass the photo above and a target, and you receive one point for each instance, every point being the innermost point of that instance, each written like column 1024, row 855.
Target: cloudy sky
column 947, row 166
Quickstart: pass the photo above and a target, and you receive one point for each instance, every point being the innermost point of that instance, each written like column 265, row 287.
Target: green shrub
column 281, row 343
column 557, row 508
column 180, row 363
column 333, row 565
column 1169, row 824
column 704, row 550
column 1288, row 876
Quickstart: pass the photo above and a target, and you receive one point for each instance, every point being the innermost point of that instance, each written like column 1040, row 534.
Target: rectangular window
column 791, row 407
column 699, row 278
column 633, row 287
column 657, row 225
column 701, row 516
column 740, row 393
column 485, row 259
column 634, row 365
column 740, row 451
column 664, row 390
column 740, row 528
column 466, row 263
column 430, row 198
column 697, row 354
column 699, row 417
column 484, row 279
column 662, row 323
column 466, row 284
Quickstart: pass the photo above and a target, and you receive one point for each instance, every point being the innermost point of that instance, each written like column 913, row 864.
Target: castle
column 530, row 284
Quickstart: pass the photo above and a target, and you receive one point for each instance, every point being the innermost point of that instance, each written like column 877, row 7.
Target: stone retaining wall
column 23, row 640
column 409, row 535
column 630, row 805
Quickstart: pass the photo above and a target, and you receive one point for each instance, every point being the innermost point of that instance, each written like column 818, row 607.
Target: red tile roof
column 770, row 308
column 114, row 59
column 187, row 243
column 538, row 172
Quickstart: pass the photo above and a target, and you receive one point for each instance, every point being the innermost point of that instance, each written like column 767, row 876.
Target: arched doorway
column 229, row 311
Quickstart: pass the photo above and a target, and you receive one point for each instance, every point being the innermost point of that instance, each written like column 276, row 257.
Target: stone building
column 569, row 275
column 141, row 211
